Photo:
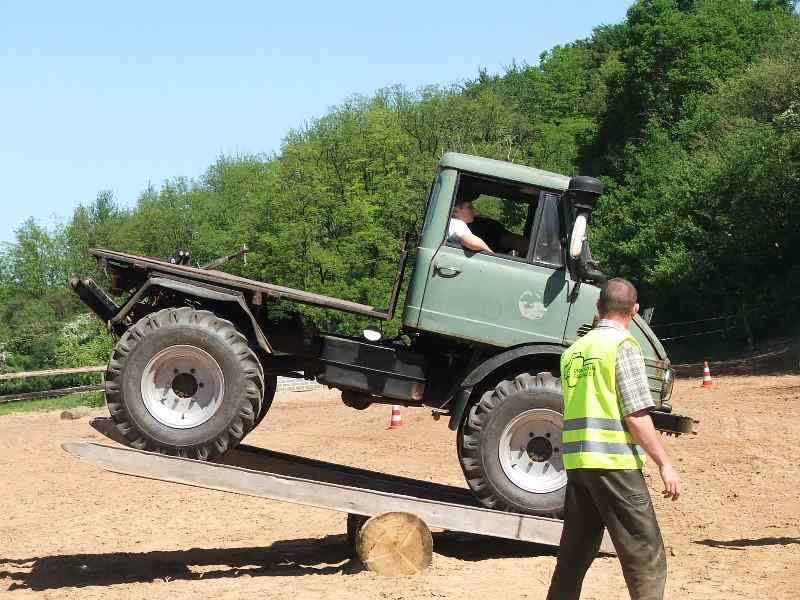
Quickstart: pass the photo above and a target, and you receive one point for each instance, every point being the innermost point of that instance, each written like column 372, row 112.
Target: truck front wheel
column 184, row 382
column 510, row 446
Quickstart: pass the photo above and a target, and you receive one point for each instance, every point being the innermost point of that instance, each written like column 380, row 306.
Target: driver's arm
column 473, row 242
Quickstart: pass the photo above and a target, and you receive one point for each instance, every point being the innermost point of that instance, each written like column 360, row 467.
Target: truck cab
column 534, row 293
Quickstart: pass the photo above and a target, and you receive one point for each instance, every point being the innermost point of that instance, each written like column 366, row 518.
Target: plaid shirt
column 633, row 391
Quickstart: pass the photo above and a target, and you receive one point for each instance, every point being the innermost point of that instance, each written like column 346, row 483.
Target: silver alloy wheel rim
column 530, row 451
column 182, row 386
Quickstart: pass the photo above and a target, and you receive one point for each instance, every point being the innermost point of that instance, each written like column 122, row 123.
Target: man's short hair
column 467, row 194
column 617, row 297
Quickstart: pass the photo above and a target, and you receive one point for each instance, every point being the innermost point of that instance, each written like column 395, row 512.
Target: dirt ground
column 70, row 530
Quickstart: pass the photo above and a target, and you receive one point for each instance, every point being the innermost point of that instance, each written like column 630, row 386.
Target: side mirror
column 578, row 236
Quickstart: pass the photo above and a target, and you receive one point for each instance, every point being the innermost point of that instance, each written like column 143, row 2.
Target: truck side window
column 548, row 242
column 501, row 214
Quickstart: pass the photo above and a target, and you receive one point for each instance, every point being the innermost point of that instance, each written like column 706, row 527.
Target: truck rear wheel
column 184, row 382
column 510, row 446
column 270, row 387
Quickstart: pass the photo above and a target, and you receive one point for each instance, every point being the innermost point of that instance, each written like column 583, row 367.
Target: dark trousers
column 620, row 501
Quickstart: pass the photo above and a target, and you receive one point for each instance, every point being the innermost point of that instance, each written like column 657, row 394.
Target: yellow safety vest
column 595, row 436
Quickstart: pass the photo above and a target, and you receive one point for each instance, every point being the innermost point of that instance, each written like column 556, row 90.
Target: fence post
column 747, row 329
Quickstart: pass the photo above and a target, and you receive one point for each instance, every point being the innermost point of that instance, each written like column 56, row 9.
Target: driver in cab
column 458, row 230
column 471, row 231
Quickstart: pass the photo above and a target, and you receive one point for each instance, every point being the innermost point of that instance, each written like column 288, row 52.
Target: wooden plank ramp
column 266, row 474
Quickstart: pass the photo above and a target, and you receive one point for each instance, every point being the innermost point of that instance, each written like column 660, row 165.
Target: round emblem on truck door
column 531, row 306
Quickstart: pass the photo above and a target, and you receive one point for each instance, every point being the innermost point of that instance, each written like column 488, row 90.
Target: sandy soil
column 69, row 530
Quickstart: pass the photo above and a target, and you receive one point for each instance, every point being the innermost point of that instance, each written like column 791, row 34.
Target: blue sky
column 114, row 95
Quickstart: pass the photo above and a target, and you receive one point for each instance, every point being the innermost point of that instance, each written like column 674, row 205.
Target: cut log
column 395, row 544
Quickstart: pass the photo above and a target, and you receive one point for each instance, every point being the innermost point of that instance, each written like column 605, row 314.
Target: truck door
column 498, row 298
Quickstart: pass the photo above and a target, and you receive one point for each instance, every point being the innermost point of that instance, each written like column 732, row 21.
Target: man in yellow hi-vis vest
column 607, row 431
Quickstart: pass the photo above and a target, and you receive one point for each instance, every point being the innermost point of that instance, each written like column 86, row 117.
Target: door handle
column 446, row 271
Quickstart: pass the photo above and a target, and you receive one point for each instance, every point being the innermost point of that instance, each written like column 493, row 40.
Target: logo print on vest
column 579, row 367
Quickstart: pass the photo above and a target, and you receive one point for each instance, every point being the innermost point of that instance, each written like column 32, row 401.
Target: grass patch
column 92, row 400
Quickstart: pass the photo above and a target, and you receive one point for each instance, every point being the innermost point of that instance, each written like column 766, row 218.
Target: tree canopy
column 689, row 109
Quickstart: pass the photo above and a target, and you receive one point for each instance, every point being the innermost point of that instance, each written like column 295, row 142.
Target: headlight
column 666, row 386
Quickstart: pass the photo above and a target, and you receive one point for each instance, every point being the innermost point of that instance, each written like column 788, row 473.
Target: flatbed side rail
column 322, row 494
column 155, row 265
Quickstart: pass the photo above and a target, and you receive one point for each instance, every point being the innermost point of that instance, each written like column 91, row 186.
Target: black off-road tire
column 479, row 440
column 270, row 387
column 241, row 401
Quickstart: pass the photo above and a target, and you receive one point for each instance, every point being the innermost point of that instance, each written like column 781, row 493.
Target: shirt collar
column 610, row 323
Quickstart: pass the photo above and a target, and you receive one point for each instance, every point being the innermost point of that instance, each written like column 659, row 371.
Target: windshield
column 437, row 184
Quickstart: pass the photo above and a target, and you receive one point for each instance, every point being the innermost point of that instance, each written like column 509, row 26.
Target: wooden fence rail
column 81, row 389
column 51, row 373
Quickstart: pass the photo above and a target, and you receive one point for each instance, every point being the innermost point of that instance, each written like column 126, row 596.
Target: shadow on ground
column 286, row 558
column 746, row 543
column 289, row 558
column 465, row 546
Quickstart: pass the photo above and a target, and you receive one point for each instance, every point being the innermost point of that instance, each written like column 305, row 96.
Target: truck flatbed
column 154, row 266
column 266, row 474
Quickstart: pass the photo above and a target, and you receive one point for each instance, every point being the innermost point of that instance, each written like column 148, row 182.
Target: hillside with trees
column 689, row 110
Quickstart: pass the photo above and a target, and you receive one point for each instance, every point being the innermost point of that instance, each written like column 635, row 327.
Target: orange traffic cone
column 396, row 421
column 707, row 381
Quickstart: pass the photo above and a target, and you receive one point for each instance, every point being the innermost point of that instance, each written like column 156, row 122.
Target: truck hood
column 643, row 330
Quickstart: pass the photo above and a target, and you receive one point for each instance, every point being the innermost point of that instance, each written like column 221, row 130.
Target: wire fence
column 751, row 321
column 285, row 384
column 55, row 392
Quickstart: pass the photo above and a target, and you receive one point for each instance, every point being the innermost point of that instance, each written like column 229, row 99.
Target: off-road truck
column 196, row 358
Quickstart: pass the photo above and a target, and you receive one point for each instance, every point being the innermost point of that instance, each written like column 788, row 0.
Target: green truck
column 196, row 358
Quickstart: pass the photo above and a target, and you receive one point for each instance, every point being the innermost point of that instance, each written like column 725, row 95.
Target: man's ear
column 636, row 308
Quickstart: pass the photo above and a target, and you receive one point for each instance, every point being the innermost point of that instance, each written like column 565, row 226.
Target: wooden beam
column 51, row 372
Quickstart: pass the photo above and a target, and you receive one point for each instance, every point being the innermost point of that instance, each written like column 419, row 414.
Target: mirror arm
column 588, row 269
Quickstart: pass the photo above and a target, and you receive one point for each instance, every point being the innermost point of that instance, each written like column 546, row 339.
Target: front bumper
column 671, row 424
